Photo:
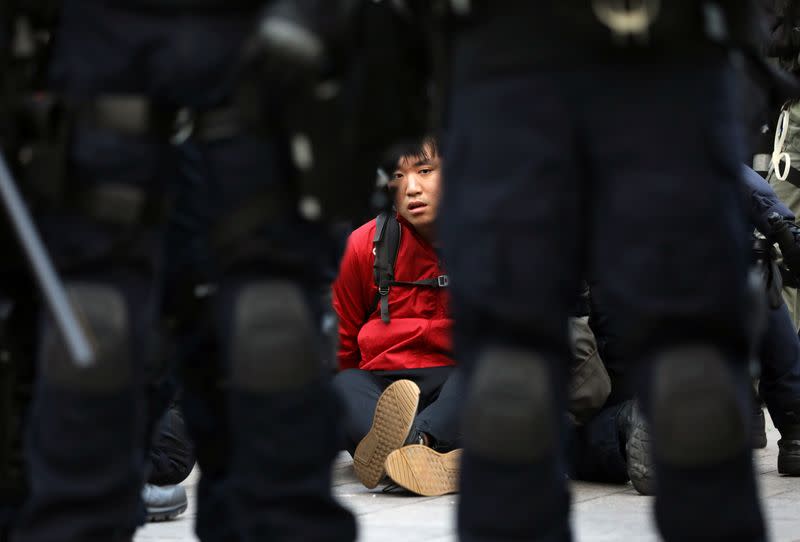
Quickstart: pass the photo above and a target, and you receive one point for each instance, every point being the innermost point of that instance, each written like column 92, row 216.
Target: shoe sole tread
column 424, row 471
column 165, row 514
column 394, row 416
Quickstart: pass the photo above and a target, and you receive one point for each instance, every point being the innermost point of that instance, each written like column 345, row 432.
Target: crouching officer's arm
column 762, row 201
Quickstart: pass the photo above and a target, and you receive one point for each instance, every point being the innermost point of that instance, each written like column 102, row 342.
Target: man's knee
column 353, row 380
column 697, row 418
column 510, row 412
column 104, row 314
column 274, row 340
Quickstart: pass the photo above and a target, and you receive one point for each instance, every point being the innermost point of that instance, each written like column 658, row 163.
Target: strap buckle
column 443, row 281
column 183, row 126
column 384, row 290
column 627, row 20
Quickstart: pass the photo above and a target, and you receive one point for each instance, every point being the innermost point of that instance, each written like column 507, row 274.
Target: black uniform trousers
column 265, row 457
column 626, row 171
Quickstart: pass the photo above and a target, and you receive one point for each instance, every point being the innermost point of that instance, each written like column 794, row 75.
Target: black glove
column 787, row 234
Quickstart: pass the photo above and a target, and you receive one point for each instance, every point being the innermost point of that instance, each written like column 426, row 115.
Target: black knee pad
column 103, row 312
column 509, row 415
column 697, row 419
column 274, row 342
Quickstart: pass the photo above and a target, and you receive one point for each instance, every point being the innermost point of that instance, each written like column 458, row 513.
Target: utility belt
column 193, row 5
column 129, row 209
column 515, row 32
column 672, row 24
column 45, row 124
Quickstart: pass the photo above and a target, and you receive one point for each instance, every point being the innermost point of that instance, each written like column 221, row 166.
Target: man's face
column 416, row 181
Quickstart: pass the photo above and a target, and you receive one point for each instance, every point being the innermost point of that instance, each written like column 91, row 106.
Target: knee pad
column 509, row 416
column 103, row 312
column 274, row 340
column 697, row 419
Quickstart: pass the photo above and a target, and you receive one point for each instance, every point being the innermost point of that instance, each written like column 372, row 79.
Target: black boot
column 635, row 434
column 789, row 451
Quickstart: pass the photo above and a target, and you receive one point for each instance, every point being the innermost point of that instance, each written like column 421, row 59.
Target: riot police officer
column 598, row 137
column 134, row 78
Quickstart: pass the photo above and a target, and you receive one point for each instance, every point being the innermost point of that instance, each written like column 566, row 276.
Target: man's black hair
column 424, row 149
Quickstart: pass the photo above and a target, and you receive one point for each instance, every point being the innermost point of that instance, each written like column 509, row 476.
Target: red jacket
column 420, row 330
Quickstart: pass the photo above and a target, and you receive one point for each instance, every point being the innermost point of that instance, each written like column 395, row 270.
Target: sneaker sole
column 394, row 415
column 165, row 514
column 424, row 471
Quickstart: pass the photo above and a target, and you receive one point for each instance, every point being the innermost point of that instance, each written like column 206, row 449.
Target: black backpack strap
column 442, row 281
column 386, row 244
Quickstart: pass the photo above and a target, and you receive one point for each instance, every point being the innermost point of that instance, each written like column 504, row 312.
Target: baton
column 55, row 295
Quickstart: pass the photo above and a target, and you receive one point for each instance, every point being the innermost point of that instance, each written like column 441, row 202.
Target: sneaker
column 164, row 502
column 424, row 471
column 789, row 452
column 391, row 424
column 638, row 448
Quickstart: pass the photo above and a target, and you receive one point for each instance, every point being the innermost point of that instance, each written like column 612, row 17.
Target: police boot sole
column 166, row 513
column 788, row 461
column 424, row 471
column 394, row 415
column 641, row 470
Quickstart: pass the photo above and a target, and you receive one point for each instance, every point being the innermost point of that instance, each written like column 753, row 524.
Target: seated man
column 398, row 378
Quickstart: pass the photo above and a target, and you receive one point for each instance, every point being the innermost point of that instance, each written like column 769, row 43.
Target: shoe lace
column 391, row 487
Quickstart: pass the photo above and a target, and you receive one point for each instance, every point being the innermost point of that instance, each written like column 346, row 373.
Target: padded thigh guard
column 274, row 346
column 510, row 415
column 104, row 314
column 697, row 420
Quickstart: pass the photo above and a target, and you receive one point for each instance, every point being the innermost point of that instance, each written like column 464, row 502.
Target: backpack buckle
column 443, row 281
column 383, row 290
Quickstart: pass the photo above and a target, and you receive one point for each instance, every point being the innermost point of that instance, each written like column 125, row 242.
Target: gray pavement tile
column 601, row 513
column 620, row 516
column 364, row 501
column 587, row 491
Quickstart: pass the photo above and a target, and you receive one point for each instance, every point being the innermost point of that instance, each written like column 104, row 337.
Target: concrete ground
column 601, row 513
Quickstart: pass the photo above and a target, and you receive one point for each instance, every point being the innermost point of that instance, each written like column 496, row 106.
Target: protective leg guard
column 274, row 343
column 104, row 313
column 284, row 422
column 700, row 414
column 86, row 434
column 697, row 419
column 510, row 412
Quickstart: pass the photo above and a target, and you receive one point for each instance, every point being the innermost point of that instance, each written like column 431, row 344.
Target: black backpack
column 385, row 245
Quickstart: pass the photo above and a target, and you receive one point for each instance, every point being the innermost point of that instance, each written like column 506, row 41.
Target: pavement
column 600, row 512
